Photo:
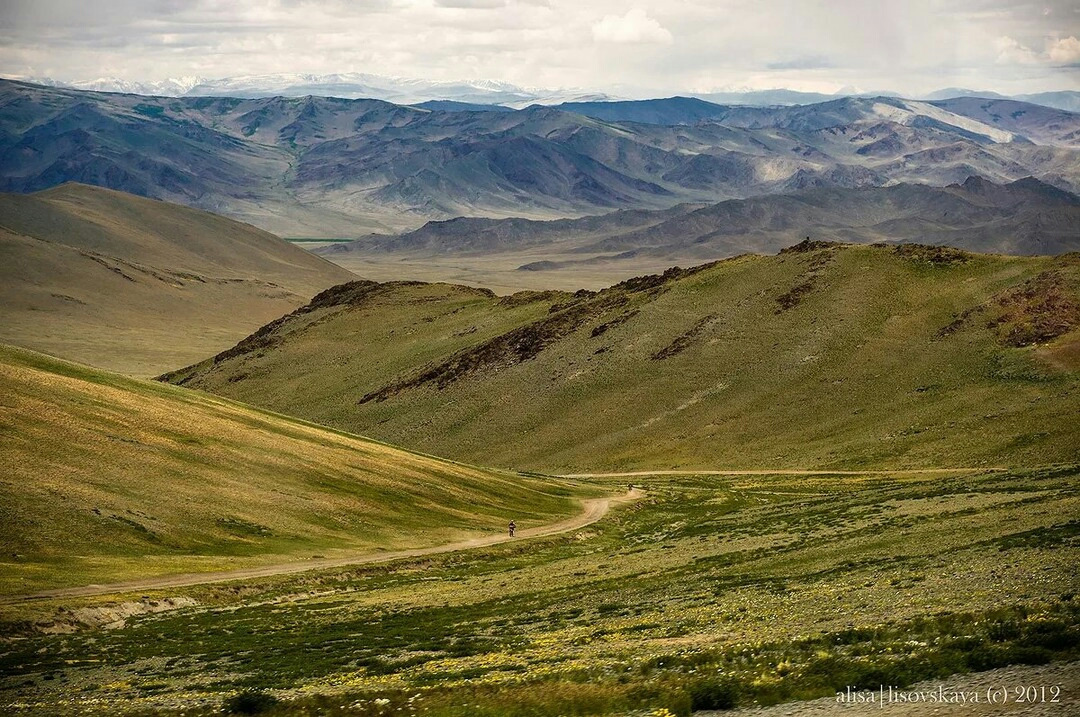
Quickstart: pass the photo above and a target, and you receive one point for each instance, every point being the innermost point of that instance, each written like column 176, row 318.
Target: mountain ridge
column 1025, row 217
column 315, row 166
column 826, row 355
column 397, row 89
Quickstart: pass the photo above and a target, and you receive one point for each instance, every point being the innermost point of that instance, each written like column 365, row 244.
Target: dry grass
column 140, row 286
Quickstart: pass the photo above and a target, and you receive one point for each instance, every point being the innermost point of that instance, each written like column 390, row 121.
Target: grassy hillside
column 106, row 478
column 821, row 356
column 137, row 285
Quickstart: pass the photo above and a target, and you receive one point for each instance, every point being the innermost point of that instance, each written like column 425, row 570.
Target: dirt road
column 593, row 510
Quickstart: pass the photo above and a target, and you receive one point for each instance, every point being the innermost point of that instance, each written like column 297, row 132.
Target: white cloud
column 1063, row 51
column 472, row 4
column 910, row 47
column 633, row 27
column 1011, row 52
column 1059, row 51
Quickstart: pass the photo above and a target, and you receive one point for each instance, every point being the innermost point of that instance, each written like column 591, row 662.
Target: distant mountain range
column 979, row 119
column 350, row 85
column 1062, row 100
column 318, row 166
column 1026, row 217
column 356, row 85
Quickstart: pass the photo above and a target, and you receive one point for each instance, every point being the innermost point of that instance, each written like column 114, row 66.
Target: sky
column 647, row 48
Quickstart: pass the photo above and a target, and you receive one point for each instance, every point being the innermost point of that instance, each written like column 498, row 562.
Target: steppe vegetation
column 711, row 591
column 855, row 458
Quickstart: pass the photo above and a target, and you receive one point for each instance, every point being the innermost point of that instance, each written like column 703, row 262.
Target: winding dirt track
column 593, row 510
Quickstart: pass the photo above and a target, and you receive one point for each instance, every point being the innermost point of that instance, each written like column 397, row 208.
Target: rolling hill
column 328, row 167
column 108, row 477
column 138, row 285
column 822, row 356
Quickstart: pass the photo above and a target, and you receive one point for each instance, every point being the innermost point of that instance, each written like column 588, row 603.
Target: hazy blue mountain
column 1044, row 125
column 1023, row 217
column 475, row 235
column 765, row 98
column 319, row 166
column 669, row 111
column 355, row 85
column 948, row 93
column 347, row 85
column 454, row 106
column 1041, row 124
column 1064, row 100
column 1068, row 100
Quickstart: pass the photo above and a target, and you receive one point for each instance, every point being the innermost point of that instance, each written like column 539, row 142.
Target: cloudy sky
column 651, row 47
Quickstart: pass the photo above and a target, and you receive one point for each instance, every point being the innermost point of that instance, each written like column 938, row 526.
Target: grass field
column 826, row 356
column 106, row 478
column 710, row 592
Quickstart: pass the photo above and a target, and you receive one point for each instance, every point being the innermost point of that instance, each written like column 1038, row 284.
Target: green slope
column 822, row 356
column 108, row 478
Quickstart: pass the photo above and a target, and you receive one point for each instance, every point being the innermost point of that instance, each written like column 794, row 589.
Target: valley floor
column 711, row 591
column 500, row 271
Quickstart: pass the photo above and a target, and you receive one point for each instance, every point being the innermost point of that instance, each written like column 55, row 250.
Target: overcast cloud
column 634, row 49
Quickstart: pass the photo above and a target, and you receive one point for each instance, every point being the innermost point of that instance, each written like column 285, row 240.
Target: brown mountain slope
column 137, row 285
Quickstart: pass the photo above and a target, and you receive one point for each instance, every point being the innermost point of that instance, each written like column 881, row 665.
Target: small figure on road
column 512, row 528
